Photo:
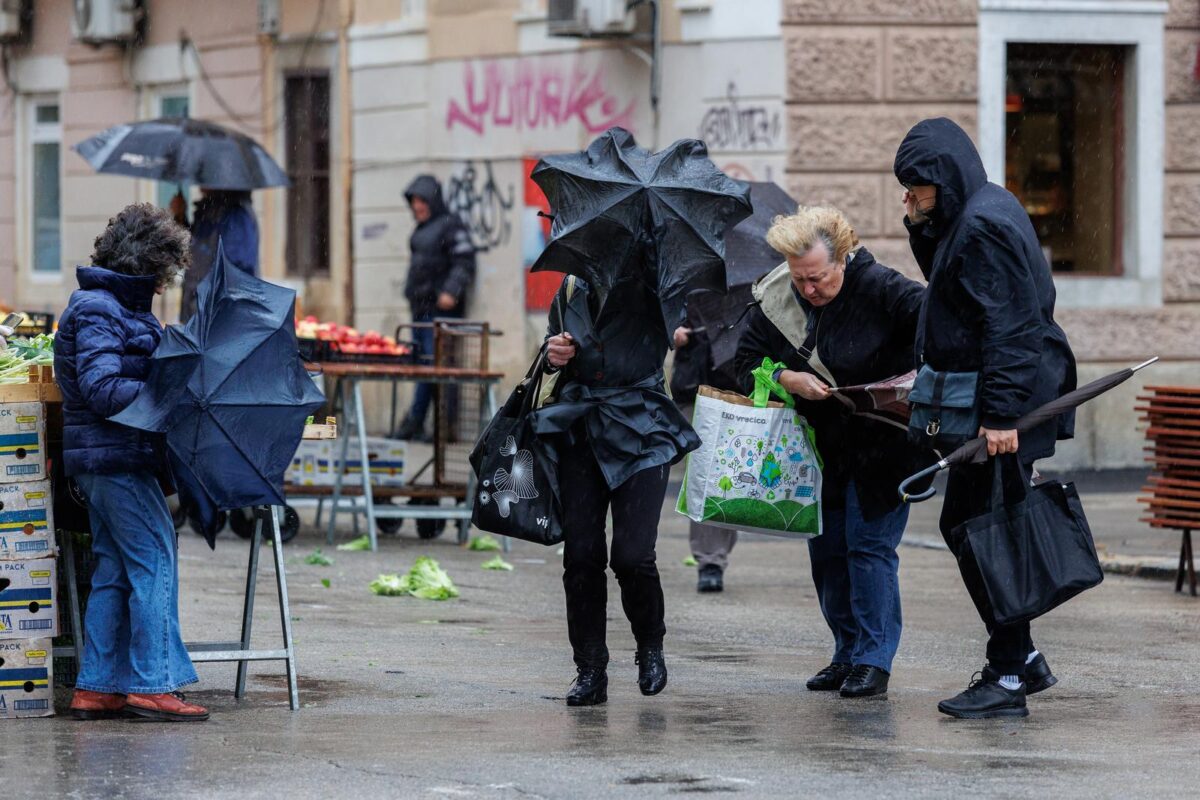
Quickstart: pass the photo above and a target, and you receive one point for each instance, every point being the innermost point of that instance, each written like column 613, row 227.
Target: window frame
column 1138, row 25
column 159, row 96
column 42, row 133
column 326, row 272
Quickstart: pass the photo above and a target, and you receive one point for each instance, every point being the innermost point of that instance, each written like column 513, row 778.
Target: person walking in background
column 224, row 218
column 710, row 545
column 989, row 310
column 834, row 316
column 134, row 659
column 441, row 272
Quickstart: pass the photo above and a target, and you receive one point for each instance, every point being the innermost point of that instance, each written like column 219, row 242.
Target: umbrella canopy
column 231, row 395
column 747, row 255
column 180, row 149
column 622, row 211
column 975, row 451
column 723, row 318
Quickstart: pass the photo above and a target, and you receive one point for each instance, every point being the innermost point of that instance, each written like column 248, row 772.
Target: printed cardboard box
column 26, row 520
column 28, row 607
column 385, row 457
column 26, row 678
column 22, row 442
column 312, row 465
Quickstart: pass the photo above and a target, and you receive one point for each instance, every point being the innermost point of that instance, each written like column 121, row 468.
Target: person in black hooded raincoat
column 989, row 308
column 440, row 274
column 615, row 433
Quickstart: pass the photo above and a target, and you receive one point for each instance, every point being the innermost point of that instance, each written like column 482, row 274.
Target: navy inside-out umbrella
column 181, row 149
column 231, row 394
column 621, row 211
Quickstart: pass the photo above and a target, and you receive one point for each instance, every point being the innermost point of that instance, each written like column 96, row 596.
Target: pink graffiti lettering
column 531, row 95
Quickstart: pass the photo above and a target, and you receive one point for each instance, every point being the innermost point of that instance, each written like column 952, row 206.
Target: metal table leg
column 368, row 493
column 338, row 472
column 239, row 689
column 285, row 613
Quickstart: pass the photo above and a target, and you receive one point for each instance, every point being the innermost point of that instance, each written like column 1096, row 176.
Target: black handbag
column 517, row 490
column 1033, row 555
column 944, row 411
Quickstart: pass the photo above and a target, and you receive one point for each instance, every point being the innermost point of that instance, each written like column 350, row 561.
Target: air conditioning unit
column 104, row 21
column 590, row 18
column 16, row 17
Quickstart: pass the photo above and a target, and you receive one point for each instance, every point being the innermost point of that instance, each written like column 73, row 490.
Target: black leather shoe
column 652, row 670
column 865, row 681
column 829, row 679
column 712, row 579
column 1038, row 677
column 590, row 687
column 985, row 698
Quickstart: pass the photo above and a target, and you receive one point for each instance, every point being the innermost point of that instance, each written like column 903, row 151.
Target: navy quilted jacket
column 101, row 359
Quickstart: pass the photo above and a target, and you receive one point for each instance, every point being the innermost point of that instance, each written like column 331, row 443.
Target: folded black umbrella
column 975, row 451
column 179, row 150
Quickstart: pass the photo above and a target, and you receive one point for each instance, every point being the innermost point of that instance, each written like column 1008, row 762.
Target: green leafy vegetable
column 690, row 561
column 390, row 585
column 484, row 543
column 426, row 580
column 21, row 354
column 318, row 559
column 326, row 582
column 361, row 543
column 497, row 563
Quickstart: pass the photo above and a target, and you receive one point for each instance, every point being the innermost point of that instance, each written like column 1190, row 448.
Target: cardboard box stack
column 316, row 462
column 28, row 606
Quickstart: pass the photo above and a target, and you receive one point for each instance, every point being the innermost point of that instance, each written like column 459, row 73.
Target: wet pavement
column 409, row 698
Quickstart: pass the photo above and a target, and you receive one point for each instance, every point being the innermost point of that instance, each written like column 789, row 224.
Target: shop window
column 1065, row 150
column 46, row 184
column 306, row 109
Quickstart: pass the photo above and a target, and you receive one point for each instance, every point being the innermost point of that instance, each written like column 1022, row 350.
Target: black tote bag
column 517, row 491
column 1033, row 555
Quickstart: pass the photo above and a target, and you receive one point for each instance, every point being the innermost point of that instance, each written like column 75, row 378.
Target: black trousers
column 969, row 494
column 636, row 505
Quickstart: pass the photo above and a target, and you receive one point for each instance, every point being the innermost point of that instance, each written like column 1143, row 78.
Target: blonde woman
column 836, row 317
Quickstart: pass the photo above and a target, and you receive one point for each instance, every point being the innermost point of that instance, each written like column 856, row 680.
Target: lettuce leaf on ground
column 497, row 563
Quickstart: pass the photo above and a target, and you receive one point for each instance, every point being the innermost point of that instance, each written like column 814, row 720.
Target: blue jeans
column 855, row 569
column 132, row 643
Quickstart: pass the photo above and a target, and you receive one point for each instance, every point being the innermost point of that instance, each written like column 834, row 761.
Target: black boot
column 590, row 687
column 652, row 670
column 865, row 681
column 985, row 698
column 411, row 430
column 829, row 679
column 1038, row 677
column 711, row 579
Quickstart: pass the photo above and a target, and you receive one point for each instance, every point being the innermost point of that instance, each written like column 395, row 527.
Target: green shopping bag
column 757, row 468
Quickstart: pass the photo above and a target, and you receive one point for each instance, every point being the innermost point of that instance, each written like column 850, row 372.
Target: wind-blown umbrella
column 180, row 149
column 885, row 401
column 233, row 424
column 747, row 255
column 621, row 211
column 975, row 451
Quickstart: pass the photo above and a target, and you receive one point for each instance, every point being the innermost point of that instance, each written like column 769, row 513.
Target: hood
column 428, row 189
column 135, row 292
column 936, row 152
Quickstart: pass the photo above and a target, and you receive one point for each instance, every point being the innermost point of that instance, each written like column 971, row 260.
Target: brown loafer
column 96, row 705
column 170, row 707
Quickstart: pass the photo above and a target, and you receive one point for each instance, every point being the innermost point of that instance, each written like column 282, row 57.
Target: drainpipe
column 346, row 153
column 654, row 59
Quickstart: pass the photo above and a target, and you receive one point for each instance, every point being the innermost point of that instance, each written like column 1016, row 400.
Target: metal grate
column 457, row 424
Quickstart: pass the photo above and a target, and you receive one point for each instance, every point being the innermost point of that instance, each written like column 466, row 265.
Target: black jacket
column 990, row 304
column 865, row 334
column 443, row 258
column 613, row 387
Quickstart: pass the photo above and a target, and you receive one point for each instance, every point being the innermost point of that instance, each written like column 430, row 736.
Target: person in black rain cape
column 615, row 434
column 989, row 309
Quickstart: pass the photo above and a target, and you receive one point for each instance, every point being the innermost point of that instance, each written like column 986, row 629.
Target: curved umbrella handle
column 911, row 479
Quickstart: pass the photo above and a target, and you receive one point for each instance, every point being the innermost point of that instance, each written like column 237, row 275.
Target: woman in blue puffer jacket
column 134, row 660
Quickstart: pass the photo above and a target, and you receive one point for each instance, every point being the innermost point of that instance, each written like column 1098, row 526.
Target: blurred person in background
column 227, row 218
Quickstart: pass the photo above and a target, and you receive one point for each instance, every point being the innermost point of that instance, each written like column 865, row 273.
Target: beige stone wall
column 1181, row 256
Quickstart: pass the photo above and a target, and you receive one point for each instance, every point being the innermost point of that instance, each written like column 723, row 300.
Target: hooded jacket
column 101, row 359
column 864, row 334
column 990, row 302
column 443, row 257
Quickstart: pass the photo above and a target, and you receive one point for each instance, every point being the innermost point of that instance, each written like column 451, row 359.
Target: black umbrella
column 179, row 150
column 975, row 451
column 747, row 255
column 620, row 210
column 233, row 424
column 722, row 318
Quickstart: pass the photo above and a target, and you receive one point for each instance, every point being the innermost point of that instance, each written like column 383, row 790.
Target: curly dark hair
column 144, row 239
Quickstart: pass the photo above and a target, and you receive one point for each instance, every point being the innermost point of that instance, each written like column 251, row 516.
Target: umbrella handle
column 911, row 479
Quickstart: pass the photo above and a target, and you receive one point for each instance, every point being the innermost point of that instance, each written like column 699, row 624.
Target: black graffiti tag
column 486, row 210
column 733, row 126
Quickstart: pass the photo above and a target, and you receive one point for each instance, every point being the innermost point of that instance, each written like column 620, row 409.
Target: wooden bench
column 1172, row 493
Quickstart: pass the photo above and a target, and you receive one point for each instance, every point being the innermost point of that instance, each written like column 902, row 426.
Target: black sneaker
column 829, row 679
column 711, row 579
column 985, row 698
column 865, row 681
column 590, row 687
column 1038, row 677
